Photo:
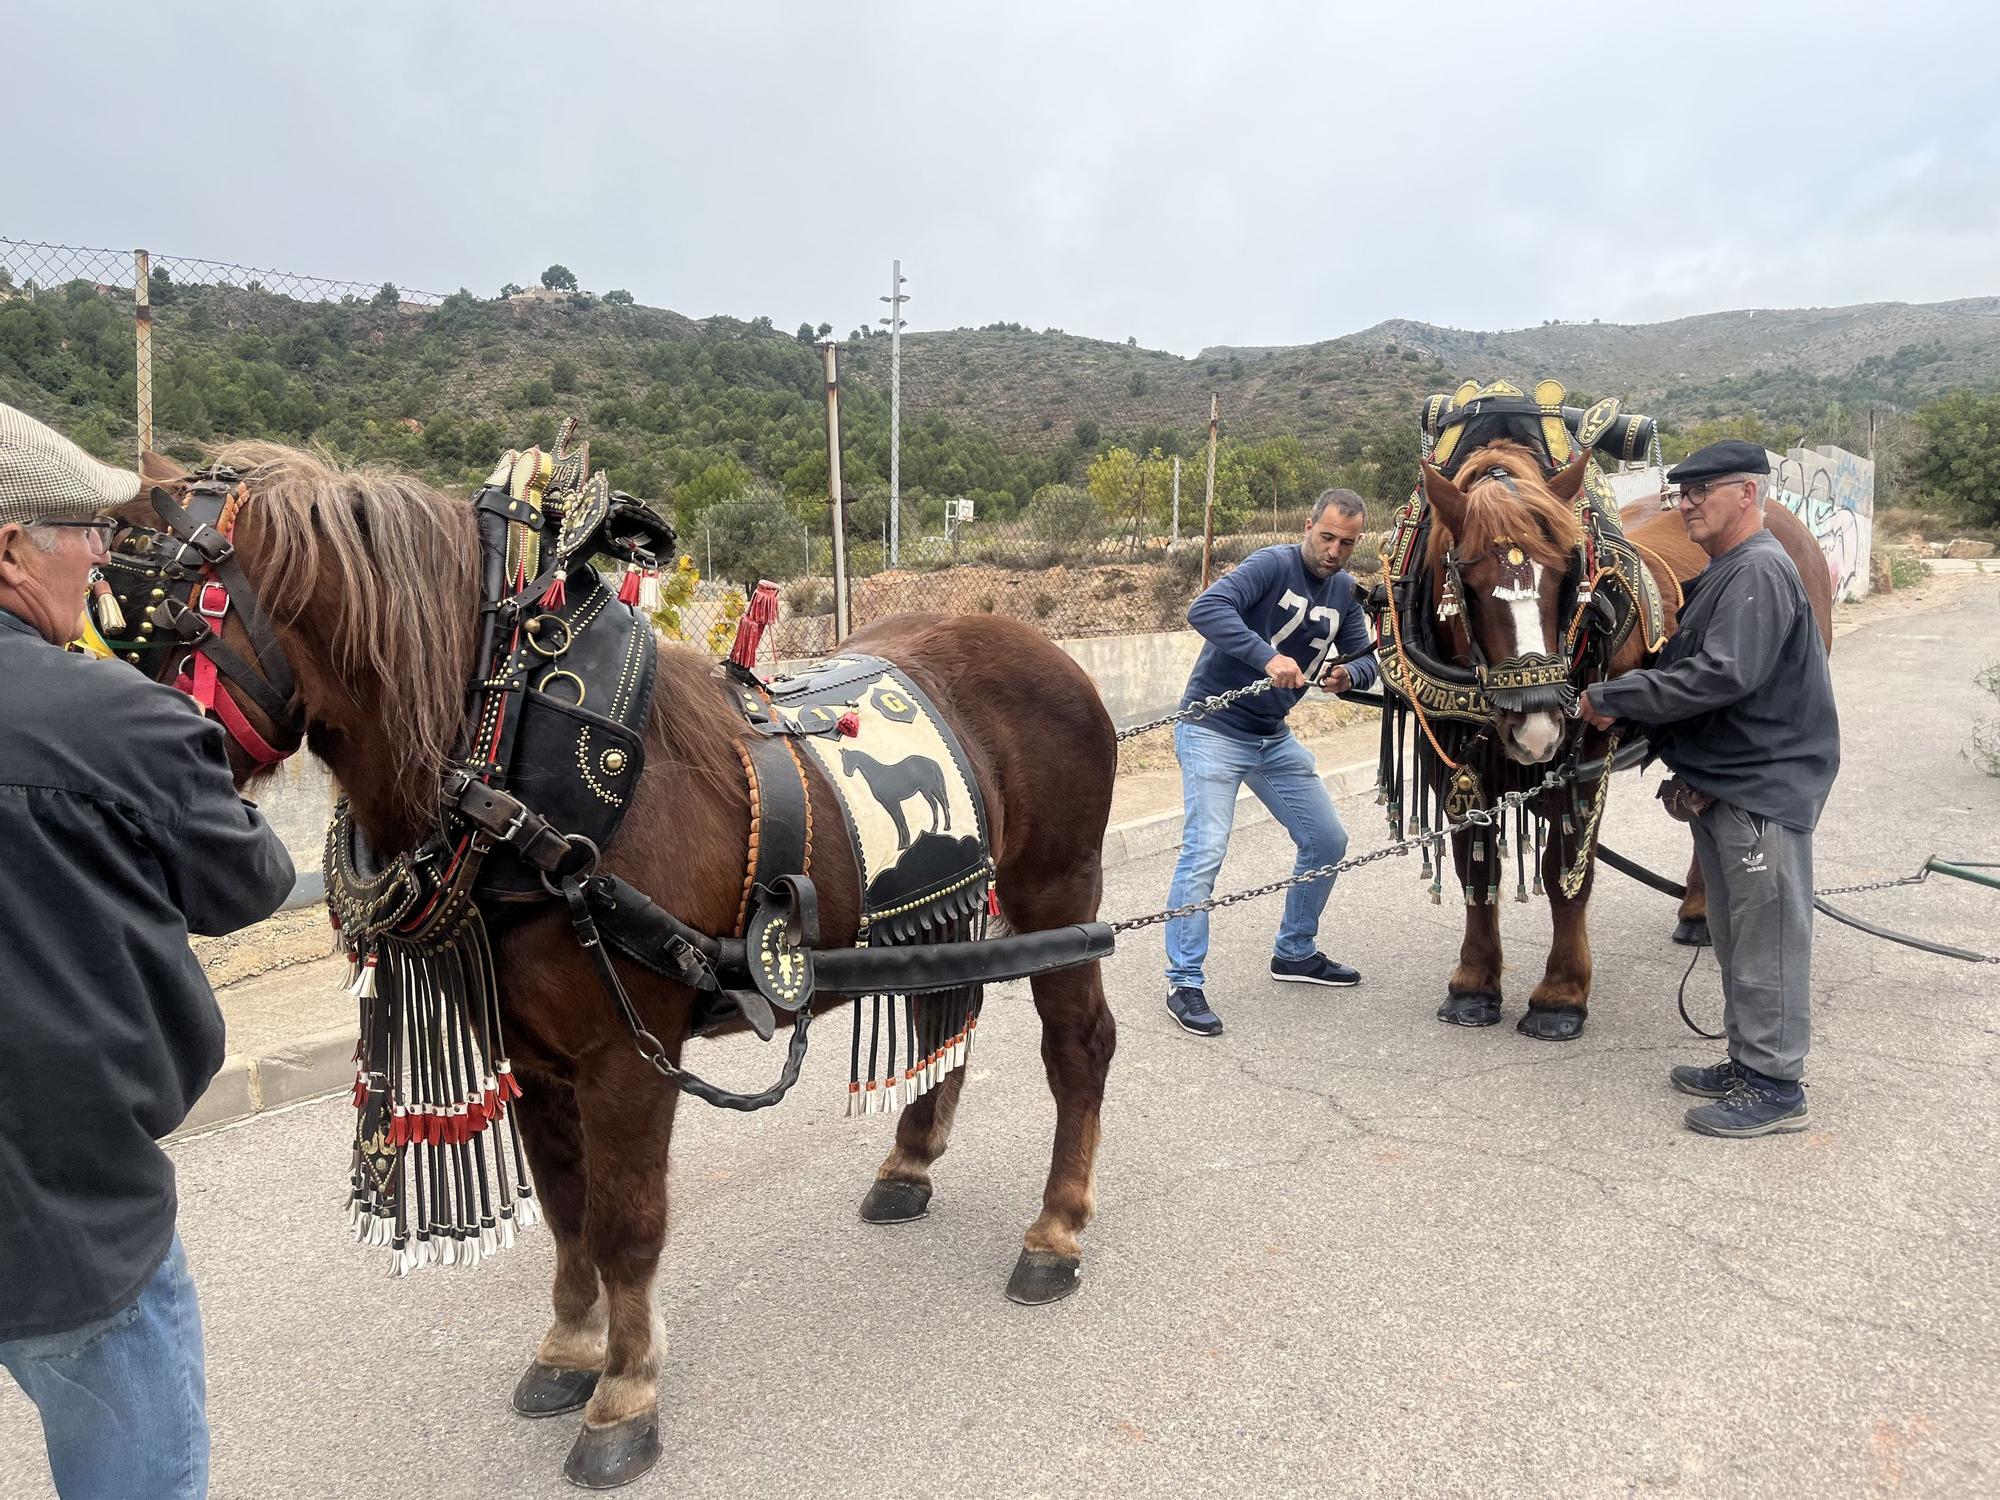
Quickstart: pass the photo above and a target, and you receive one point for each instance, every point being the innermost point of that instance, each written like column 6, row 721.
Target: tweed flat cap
column 46, row 477
column 1730, row 456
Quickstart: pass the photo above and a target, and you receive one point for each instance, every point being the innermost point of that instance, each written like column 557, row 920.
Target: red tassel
column 992, row 901
column 510, row 1086
column 628, row 586
column 850, row 724
column 399, row 1128
column 360, row 1091
column 554, row 597
column 759, row 613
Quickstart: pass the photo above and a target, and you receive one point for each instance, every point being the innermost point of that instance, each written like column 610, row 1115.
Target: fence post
column 142, row 311
column 1208, row 506
column 833, row 496
column 1177, row 498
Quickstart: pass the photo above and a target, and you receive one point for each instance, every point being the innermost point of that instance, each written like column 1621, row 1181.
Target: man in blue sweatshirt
column 1283, row 614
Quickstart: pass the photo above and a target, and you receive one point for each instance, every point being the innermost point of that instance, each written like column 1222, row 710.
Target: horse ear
column 157, row 468
column 1446, row 499
column 1569, row 478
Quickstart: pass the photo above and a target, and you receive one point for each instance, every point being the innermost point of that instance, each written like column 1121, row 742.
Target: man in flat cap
column 1740, row 705
column 122, row 834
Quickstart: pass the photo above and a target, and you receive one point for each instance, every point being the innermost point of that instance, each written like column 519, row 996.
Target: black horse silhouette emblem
column 892, row 786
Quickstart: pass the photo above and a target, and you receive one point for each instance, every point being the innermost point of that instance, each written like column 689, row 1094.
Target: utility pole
column 833, row 497
column 896, row 298
column 142, row 385
column 1177, row 497
column 1208, row 506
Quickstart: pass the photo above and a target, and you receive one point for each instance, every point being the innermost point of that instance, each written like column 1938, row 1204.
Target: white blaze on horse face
column 1537, row 735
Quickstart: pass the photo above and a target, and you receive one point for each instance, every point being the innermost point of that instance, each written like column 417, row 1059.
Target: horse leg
column 901, row 1191
column 1472, row 994
column 627, row 1115
column 1557, row 1007
column 571, row 1353
column 1692, row 929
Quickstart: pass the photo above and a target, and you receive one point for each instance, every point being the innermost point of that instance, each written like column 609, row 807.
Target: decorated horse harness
column 550, row 754
column 1607, row 595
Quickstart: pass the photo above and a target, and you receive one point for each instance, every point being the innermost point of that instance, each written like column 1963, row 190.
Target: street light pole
column 896, row 298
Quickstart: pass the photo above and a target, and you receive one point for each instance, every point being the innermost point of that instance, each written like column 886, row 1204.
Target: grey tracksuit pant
column 1760, row 914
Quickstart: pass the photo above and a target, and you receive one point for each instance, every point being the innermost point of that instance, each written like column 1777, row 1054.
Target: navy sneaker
column 1189, row 1006
column 1707, row 1083
column 1318, row 969
column 1752, row 1108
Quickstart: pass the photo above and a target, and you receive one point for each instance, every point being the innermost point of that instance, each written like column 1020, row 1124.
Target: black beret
column 1731, row 456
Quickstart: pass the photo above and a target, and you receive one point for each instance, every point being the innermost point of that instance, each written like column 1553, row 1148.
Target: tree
column 559, row 278
column 1961, row 455
column 805, row 333
column 1087, row 434
column 159, row 287
column 618, row 297
column 511, row 289
column 825, row 330
column 1137, row 384
column 388, row 296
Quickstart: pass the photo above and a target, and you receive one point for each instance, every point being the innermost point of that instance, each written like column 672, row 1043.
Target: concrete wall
column 1833, row 492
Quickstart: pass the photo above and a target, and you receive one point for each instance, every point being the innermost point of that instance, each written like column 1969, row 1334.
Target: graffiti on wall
column 1833, row 492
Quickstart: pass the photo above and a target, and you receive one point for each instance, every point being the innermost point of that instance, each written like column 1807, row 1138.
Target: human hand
column 1285, row 672
column 1591, row 714
column 1337, row 680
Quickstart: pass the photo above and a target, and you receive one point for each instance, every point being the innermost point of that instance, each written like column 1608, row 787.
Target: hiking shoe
column 1318, row 969
column 1707, row 1083
column 1752, row 1109
column 1189, row 1006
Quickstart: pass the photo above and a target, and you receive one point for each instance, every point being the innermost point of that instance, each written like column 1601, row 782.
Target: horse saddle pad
column 915, row 817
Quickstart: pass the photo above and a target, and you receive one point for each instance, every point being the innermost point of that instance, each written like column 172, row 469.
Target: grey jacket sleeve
column 1738, row 652
column 225, row 866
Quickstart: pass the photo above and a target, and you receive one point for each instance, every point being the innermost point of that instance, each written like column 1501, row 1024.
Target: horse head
column 333, row 608
column 1502, row 548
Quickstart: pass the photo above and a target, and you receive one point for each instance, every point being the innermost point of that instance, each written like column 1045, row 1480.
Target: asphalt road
column 1341, row 1250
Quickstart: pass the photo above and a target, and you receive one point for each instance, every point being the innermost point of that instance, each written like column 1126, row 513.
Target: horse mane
column 1528, row 513
column 388, row 568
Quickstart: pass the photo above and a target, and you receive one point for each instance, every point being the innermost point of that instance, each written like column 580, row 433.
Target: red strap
column 205, row 688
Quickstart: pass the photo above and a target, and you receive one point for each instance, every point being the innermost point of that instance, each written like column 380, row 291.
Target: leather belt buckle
column 211, row 601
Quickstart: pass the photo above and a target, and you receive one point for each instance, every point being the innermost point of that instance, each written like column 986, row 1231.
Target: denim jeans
column 122, row 1400
column 1281, row 772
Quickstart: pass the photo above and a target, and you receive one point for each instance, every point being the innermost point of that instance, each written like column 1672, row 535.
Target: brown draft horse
column 1483, row 519
column 371, row 581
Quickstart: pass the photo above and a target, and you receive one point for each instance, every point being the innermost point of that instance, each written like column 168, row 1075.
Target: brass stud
column 145, row 627
column 159, row 593
column 613, row 762
column 535, row 625
column 132, row 657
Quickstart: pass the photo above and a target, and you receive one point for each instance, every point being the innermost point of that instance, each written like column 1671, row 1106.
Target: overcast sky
column 1230, row 172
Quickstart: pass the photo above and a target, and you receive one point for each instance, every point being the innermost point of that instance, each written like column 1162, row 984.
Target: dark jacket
column 119, row 835
column 1742, row 689
column 1272, row 605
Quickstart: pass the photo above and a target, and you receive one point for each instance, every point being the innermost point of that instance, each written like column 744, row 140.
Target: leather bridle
column 195, row 546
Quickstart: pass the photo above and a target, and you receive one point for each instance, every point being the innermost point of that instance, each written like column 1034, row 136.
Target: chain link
column 1199, row 710
column 1478, row 817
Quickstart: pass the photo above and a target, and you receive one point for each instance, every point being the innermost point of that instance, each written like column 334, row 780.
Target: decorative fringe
column 649, row 590
column 439, row 1176
column 628, row 586
column 555, row 596
column 110, row 618
column 933, row 1033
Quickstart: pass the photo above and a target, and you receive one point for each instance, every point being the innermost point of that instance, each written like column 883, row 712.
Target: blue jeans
column 123, row 1399
column 1281, row 772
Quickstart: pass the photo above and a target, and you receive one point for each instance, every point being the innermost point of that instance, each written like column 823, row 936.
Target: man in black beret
column 1740, row 706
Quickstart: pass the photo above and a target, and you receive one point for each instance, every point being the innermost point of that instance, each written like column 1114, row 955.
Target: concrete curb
column 322, row 1064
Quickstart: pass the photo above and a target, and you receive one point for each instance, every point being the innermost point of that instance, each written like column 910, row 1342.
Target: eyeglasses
column 1697, row 494
column 102, row 532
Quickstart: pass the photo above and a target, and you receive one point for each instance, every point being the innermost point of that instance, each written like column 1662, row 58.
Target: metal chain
column 1478, row 817
column 1199, row 710
column 1875, row 885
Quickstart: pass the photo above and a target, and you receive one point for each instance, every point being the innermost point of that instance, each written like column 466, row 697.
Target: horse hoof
column 1692, row 932
column 546, row 1391
column 1040, row 1278
column 602, row 1458
column 1470, row 1010
column 893, row 1202
column 1559, row 1024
